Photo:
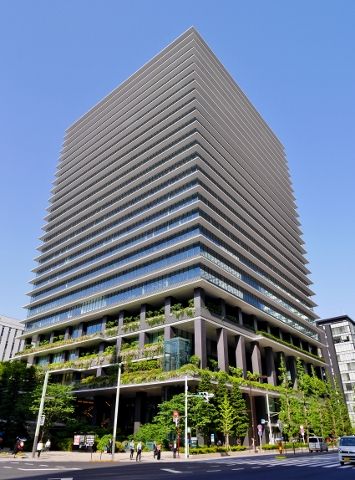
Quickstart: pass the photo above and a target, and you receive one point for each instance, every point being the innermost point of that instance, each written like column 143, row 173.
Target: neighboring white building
column 340, row 340
column 10, row 330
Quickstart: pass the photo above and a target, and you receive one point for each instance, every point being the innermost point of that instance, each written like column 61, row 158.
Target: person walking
column 39, row 448
column 158, row 451
column 47, row 446
column 131, row 449
column 139, row 452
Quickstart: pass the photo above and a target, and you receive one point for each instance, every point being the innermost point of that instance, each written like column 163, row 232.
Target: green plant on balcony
column 131, row 319
column 129, row 345
column 43, row 343
column 178, row 310
column 253, row 377
column 236, row 372
column 111, row 324
column 110, row 350
column 195, row 360
column 287, row 344
column 87, row 380
column 58, row 338
column 110, row 332
column 131, row 326
column 155, row 313
column 156, row 320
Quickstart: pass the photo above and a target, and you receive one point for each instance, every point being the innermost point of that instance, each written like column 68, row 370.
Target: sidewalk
column 166, row 456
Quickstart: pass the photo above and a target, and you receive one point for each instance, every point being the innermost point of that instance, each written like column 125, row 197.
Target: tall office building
column 171, row 231
column 340, row 343
column 10, row 343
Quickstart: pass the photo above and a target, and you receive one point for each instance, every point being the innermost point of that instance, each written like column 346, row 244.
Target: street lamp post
column 116, row 410
column 186, row 437
column 40, row 412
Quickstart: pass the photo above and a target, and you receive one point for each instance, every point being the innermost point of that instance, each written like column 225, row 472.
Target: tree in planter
column 58, row 405
column 226, row 419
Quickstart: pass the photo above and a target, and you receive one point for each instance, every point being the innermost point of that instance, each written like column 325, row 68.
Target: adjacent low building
column 10, row 342
column 172, row 231
column 340, row 341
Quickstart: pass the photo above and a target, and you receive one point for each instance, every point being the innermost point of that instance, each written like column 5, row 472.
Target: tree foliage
column 316, row 404
column 58, row 405
column 17, row 382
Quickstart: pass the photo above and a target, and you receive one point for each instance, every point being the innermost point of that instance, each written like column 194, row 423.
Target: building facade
column 171, row 231
column 340, row 342
column 10, row 343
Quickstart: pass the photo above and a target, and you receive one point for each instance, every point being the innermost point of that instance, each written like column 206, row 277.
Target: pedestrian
column 131, row 449
column 154, row 450
column 39, row 448
column 174, row 450
column 139, row 452
column 47, row 446
column 158, row 451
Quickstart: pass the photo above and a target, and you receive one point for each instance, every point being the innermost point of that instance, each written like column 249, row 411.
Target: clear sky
column 295, row 60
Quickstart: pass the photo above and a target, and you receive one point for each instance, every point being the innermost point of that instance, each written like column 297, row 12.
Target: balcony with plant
column 179, row 310
column 156, row 317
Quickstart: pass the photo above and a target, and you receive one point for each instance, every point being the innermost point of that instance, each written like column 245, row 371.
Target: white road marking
column 170, row 470
column 240, row 468
column 209, row 471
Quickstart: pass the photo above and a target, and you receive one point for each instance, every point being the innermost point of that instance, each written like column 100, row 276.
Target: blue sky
column 294, row 60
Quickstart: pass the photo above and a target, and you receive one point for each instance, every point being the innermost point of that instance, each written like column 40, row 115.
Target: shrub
column 65, row 444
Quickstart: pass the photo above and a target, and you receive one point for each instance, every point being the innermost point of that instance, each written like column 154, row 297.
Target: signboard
column 90, row 440
column 302, row 430
column 176, row 417
column 76, row 440
column 43, row 419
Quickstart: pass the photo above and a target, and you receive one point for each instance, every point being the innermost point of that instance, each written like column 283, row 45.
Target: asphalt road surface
column 306, row 467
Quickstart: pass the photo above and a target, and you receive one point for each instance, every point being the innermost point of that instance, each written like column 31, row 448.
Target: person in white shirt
column 139, row 452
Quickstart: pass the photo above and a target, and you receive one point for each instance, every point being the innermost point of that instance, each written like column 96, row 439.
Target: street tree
column 58, row 405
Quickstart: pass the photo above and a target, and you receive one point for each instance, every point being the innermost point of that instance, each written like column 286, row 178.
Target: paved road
column 310, row 467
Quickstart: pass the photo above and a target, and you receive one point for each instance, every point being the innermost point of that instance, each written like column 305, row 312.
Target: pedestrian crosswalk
column 323, row 461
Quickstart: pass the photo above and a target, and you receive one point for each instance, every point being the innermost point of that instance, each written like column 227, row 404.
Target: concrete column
column 222, row 349
column 200, row 341
column 80, row 329
column 256, row 358
column 168, row 332
column 167, row 307
column 103, row 324
column 239, row 317
column 51, row 337
column 140, row 396
column 120, row 318
column 118, row 345
column 143, row 315
column 67, row 333
column 291, row 366
column 223, row 308
column 270, row 366
column 240, row 355
column 199, row 300
column 142, row 339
